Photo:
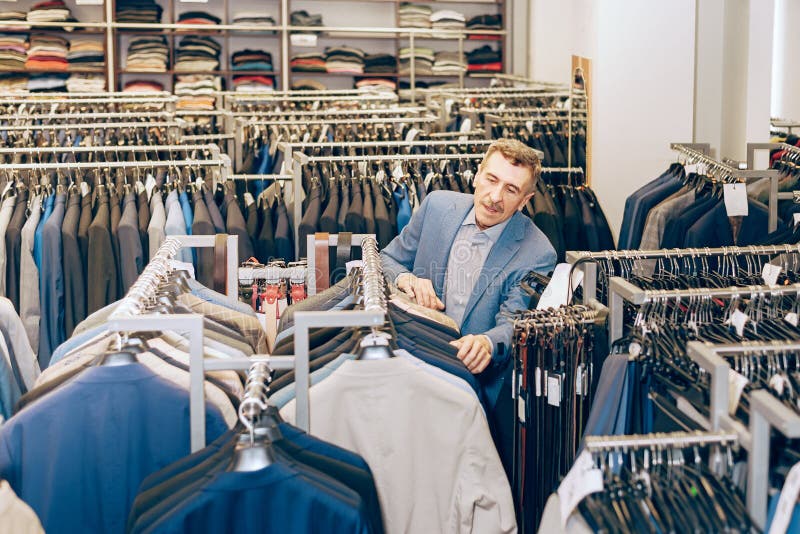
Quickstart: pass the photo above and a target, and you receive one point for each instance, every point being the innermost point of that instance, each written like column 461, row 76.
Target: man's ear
column 525, row 200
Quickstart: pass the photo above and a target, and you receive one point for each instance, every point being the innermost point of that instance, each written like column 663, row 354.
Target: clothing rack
column 589, row 268
column 622, row 290
column 766, row 413
column 213, row 149
column 172, row 126
column 85, row 116
column 789, row 124
column 644, row 441
column 330, row 112
column 313, row 261
column 243, row 125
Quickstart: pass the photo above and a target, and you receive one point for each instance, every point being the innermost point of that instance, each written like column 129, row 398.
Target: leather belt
column 343, row 250
column 220, row 262
column 323, row 269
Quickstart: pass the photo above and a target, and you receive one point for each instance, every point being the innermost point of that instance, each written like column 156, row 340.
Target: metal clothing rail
column 621, row 290
column 671, row 439
column 214, row 149
column 589, row 268
column 329, row 112
column 766, row 413
column 96, row 126
column 166, row 115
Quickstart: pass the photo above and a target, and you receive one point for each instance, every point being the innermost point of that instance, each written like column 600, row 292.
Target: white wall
column 786, row 72
column 643, row 82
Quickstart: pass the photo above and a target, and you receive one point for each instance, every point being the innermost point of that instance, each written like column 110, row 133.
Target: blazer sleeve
column 398, row 256
column 516, row 299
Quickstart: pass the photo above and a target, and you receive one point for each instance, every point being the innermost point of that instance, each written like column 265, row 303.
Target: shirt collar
column 493, row 232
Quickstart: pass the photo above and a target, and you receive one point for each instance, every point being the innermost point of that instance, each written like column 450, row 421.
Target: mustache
column 493, row 206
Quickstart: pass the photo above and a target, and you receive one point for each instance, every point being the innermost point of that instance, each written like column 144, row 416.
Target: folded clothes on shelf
column 13, row 83
column 47, row 83
column 197, row 54
column 485, row 58
column 86, row 83
column 50, row 11
column 47, row 52
column 143, row 86
column 447, row 19
column 139, row 11
column 305, row 84
column 485, row 22
column 86, row 54
column 148, row 53
column 198, row 17
column 13, row 51
column 253, row 18
column 380, row 64
column 414, row 15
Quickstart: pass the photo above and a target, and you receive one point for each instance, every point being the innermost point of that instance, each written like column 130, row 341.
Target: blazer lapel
column 450, row 223
column 501, row 253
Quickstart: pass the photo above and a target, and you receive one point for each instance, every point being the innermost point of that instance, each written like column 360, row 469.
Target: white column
column 786, row 67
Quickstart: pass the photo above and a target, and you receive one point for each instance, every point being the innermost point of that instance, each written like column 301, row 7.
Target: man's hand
column 420, row 289
column 474, row 351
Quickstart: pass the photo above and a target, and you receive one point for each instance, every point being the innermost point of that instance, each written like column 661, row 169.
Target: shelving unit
column 380, row 19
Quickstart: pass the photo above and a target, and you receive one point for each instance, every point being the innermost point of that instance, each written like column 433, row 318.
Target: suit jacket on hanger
column 13, row 244
column 102, row 269
column 202, row 225
column 74, row 272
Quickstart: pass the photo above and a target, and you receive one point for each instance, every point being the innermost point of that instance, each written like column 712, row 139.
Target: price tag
column 738, row 320
column 735, row 200
column 582, row 480
column 323, row 135
column 796, row 219
column 501, row 107
column 557, row 291
column 791, row 318
column 85, row 189
column 529, row 126
column 315, row 105
column 466, row 126
column 248, row 199
column 787, row 501
column 412, row 133
column 538, row 382
column 139, row 186
column 303, row 39
column 579, row 381
column 397, row 172
column 380, row 175
column 770, row 274
column 355, row 264
column 182, row 266
column 736, row 384
column 448, row 105
column 306, row 137
column 691, row 168
column 521, row 409
column 150, row 184
column 554, row 390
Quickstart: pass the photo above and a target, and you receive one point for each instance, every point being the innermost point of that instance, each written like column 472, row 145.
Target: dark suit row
column 552, row 139
column 89, row 249
column 680, row 211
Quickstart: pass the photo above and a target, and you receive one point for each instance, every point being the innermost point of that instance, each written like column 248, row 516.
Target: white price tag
column 139, row 186
column 791, row 318
column 501, row 107
column 397, row 172
column 355, row 264
column 521, row 409
column 582, row 480
column 529, row 126
column 557, row 291
column 306, row 137
column 182, row 266
column 85, row 189
column 538, row 382
column 770, row 274
column 315, row 105
column 738, row 320
column 379, row 176
column 303, row 39
column 736, row 384
column 466, row 126
column 412, row 133
column 448, row 105
column 735, row 200
column 149, row 185
column 691, row 168
column 796, row 219
column 323, row 135
column 787, row 501
column 362, row 167
column 428, row 179
column 248, row 199
column 554, row 390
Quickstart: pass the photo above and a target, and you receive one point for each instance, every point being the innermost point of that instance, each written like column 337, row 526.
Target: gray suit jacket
column 158, row 219
column 423, row 248
column 131, row 256
column 29, row 310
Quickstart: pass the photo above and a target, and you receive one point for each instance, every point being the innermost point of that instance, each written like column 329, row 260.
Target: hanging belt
column 322, row 274
column 220, row 262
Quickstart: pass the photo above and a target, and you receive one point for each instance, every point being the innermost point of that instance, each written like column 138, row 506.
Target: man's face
column 501, row 189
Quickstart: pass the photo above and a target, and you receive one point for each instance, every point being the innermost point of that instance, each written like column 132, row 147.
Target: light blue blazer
column 423, row 248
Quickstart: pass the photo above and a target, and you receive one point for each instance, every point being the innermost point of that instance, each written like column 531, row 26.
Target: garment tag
column 691, row 168
column 770, row 274
column 796, row 219
column 303, row 39
column 139, row 186
column 778, row 384
column 735, row 200
column 787, row 501
column 554, row 390
column 85, row 189
column 791, row 318
column 521, row 409
column 738, row 320
column 149, row 185
column 428, row 179
column 557, row 291
column 448, row 105
column 501, row 106
column 248, row 199
column 411, row 135
column 323, row 136
column 582, row 480
column 355, row 264
column 579, row 381
column 529, row 126
column 199, row 183
column 379, row 176
column 538, row 382
column 736, row 384
column 182, row 266
column 306, row 137
column 466, row 126
column 397, row 172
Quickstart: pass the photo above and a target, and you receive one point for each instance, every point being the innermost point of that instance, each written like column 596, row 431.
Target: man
column 465, row 254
